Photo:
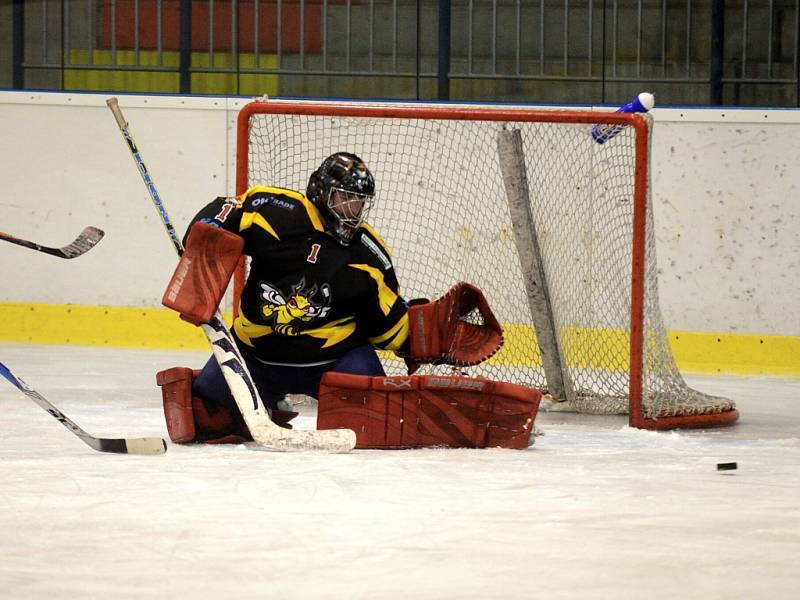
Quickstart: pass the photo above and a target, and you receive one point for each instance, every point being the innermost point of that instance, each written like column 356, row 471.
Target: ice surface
column 594, row 510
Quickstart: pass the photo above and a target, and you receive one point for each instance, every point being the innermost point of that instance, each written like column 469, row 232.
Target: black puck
column 731, row 466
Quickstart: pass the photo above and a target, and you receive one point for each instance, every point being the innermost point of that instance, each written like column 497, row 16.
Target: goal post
column 555, row 228
column 515, row 178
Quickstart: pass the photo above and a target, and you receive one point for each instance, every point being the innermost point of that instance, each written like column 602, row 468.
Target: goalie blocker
column 429, row 410
column 203, row 272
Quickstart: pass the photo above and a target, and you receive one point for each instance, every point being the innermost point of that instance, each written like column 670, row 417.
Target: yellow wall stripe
column 738, row 353
column 98, row 326
column 121, row 326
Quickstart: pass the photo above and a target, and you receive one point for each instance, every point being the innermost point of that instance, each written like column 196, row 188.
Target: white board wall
column 725, row 187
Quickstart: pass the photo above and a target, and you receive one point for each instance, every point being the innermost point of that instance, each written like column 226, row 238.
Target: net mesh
column 441, row 207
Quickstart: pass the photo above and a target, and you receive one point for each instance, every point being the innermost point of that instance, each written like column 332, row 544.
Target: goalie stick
column 141, row 445
column 256, row 415
column 87, row 240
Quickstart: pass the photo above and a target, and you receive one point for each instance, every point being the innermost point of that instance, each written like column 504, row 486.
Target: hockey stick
column 142, row 445
column 257, row 417
column 82, row 244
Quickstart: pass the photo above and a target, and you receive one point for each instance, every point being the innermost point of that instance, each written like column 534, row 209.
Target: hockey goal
column 556, row 228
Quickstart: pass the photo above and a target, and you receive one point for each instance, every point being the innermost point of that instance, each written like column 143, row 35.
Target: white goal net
column 445, row 203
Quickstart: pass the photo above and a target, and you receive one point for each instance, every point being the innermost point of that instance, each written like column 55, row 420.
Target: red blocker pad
column 203, row 273
column 428, row 410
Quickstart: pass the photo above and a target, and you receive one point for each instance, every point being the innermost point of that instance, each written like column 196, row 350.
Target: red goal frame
column 428, row 111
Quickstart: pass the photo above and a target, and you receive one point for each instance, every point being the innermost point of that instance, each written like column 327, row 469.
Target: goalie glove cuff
column 457, row 329
column 423, row 325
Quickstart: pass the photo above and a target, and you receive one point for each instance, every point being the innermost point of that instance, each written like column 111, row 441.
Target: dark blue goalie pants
column 275, row 381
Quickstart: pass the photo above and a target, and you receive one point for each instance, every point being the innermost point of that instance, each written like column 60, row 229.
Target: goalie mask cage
column 555, row 228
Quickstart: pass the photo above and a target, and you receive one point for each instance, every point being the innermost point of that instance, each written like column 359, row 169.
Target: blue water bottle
column 641, row 104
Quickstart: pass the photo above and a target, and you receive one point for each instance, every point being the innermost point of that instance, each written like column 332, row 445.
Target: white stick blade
column 85, row 242
column 328, row 440
column 146, row 445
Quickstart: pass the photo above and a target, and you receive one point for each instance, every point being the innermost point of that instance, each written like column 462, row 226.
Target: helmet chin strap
column 338, row 230
column 344, row 234
column 342, row 231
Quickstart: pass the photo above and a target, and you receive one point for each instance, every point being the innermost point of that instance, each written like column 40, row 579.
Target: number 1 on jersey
column 312, row 256
column 224, row 212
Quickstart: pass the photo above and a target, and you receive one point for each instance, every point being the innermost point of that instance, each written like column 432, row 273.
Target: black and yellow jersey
column 307, row 298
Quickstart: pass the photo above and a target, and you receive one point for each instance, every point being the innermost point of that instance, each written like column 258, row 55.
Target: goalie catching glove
column 203, row 273
column 457, row 329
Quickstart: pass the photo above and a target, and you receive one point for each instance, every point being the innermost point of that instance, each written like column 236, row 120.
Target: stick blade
column 146, row 445
column 87, row 240
column 299, row 440
column 142, row 445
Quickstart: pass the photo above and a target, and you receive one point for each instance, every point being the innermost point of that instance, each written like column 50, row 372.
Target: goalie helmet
column 343, row 190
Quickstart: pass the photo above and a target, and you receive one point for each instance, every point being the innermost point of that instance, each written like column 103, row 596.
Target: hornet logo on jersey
column 288, row 314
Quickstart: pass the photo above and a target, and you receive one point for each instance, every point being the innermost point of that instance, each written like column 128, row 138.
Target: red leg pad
column 424, row 411
column 192, row 419
column 176, row 391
